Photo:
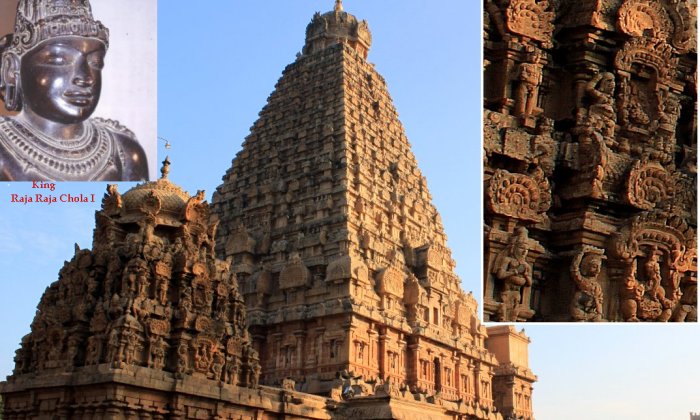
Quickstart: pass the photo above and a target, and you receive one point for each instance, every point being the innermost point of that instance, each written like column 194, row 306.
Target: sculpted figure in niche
column 529, row 78
column 655, row 304
column 632, row 294
column 51, row 73
column 513, row 270
column 601, row 111
column 587, row 304
column 182, row 358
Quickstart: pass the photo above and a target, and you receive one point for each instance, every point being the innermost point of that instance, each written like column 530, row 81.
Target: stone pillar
column 381, row 353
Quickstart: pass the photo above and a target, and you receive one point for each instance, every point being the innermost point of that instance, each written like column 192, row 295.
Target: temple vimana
column 316, row 285
column 590, row 171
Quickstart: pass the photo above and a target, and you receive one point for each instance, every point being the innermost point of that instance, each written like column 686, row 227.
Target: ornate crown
column 39, row 20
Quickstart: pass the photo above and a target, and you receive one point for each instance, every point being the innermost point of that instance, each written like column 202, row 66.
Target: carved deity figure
column 231, row 370
column 183, row 355
column 601, row 116
column 217, row 366
column 511, row 267
column 254, row 374
column 113, row 344
column 92, row 354
column 158, row 353
column 203, row 357
column 51, row 72
column 632, row 294
column 587, row 304
column 529, row 81
column 654, row 304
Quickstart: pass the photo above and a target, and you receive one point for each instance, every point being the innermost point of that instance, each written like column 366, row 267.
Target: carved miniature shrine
column 339, row 253
column 590, row 160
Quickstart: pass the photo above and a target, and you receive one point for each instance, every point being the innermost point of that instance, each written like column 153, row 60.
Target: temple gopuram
column 590, row 160
column 317, row 285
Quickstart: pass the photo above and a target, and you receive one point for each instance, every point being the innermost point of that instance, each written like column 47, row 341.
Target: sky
column 217, row 63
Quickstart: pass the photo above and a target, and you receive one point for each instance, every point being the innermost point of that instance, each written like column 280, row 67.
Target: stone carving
column 672, row 22
column 531, row 18
column 610, row 146
column 654, row 303
column 648, row 185
column 632, row 293
column 391, row 281
column 644, row 18
column 295, row 274
column 655, row 53
column 512, row 268
column 32, row 144
column 659, row 238
column 518, row 195
column 529, row 79
column 600, row 116
column 587, row 304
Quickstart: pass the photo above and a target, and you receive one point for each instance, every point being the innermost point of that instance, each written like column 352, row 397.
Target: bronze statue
column 51, row 73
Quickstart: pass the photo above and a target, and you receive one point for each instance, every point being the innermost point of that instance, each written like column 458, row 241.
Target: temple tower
column 339, row 253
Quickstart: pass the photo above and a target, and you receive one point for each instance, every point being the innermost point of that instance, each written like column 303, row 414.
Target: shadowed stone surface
column 590, row 148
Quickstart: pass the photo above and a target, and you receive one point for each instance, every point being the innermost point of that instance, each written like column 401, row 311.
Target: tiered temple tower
column 340, row 255
column 590, row 149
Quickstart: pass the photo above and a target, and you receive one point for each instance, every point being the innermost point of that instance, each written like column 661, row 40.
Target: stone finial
column 337, row 27
column 165, row 170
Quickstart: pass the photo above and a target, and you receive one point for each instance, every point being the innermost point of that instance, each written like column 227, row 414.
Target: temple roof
column 337, row 27
column 171, row 198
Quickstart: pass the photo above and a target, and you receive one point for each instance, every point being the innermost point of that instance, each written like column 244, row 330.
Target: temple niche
column 590, row 145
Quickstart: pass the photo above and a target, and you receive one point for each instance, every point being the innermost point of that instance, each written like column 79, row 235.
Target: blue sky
column 218, row 64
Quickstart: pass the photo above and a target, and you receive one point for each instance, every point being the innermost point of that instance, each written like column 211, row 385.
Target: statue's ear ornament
column 10, row 81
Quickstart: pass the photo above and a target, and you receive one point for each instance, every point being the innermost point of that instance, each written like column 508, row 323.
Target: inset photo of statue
column 78, row 84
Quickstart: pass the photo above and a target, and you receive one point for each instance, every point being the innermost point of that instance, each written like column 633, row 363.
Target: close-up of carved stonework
column 590, row 172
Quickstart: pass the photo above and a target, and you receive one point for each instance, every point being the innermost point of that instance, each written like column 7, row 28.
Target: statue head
column 607, row 83
column 591, row 265
column 51, row 66
column 519, row 243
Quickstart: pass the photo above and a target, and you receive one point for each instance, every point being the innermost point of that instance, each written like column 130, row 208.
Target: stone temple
column 590, row 159
column 329, row 252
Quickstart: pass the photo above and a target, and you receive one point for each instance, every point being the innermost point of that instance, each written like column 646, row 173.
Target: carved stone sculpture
column 600, row 116
column 587, row 304
column 654, row 303
column 529, row 79
column 632, row 293
column 51, row 72
column 512, row 268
